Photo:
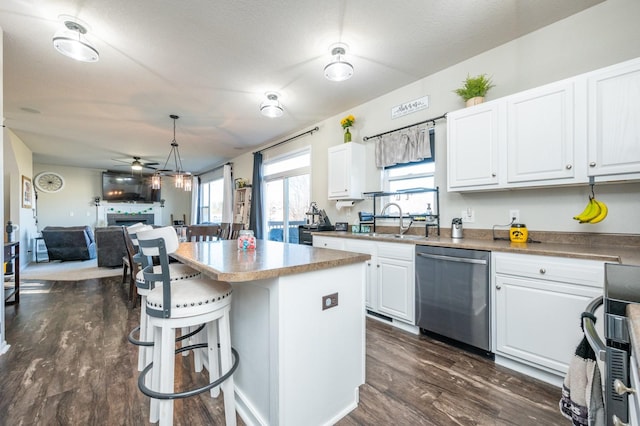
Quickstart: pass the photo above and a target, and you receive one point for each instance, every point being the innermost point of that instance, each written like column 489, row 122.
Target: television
column 128, row 187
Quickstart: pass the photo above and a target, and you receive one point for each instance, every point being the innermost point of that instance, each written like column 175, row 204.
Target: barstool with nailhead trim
column 190, row 303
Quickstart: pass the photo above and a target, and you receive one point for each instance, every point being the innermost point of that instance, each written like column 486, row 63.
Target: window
column 211, row 196
column 409, row 176
column 287, row 190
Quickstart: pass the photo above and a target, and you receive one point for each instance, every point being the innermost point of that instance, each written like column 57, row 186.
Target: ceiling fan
column 137, row 164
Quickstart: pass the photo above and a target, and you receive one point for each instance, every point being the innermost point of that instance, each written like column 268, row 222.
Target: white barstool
column 178, row 272
column 194, row 301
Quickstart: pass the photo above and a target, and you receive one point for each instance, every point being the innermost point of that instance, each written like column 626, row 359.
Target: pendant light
column 338, row 70
column 72, row 43
column 182, row 179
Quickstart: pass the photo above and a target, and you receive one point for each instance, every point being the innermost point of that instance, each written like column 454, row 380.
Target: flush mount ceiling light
column 182, row 179
column 271, row 106
column 72, row 43
column 338, row 70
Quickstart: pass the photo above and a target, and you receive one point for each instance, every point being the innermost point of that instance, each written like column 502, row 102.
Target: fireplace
column 117, row 219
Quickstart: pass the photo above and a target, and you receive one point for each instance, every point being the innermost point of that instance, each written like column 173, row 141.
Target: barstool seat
column 179, row 304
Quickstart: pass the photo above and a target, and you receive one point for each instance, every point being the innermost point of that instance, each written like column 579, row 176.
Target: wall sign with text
column 410, row 107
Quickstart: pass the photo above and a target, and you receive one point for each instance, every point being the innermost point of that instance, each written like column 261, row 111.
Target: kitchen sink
column 395, row 236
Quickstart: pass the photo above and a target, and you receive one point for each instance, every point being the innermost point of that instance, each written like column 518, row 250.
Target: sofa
column 111, row 246
column 69, row 242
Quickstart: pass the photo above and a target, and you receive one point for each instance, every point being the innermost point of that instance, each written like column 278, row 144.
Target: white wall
column 597, row 37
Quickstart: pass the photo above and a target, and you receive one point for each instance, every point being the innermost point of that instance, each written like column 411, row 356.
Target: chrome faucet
column 402, row 229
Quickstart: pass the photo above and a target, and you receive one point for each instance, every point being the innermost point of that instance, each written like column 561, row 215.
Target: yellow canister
column 518, row 233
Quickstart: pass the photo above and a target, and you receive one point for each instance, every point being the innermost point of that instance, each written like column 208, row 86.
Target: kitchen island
column 298, row 324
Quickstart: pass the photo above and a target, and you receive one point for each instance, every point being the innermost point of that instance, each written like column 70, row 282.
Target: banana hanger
column 595, row 211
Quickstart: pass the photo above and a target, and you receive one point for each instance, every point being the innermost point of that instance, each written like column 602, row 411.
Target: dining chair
column 203, row 232
column 225, row 230
column 235, row 230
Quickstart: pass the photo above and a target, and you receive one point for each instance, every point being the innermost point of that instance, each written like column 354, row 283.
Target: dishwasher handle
column 453, row 258
column 589, row 328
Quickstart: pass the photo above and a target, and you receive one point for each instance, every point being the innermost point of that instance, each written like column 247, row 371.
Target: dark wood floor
column 70, row 364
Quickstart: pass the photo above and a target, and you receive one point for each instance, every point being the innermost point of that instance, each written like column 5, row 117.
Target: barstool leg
column 144, row 357
column 228, row 387
column 213, row 357
column 154, row 411
column 167, row 368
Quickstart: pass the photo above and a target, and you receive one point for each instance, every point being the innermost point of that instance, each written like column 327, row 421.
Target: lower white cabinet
column 538, row 302
column 390, row 287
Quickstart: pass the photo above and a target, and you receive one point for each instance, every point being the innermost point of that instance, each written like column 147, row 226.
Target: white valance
column 404, row 146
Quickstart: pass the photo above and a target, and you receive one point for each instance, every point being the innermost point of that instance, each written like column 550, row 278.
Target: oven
column 621, row 287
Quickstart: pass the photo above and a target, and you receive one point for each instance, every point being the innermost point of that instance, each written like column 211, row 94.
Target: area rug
column 67, row 271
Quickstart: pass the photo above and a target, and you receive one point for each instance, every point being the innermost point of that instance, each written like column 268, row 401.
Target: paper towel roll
column 341, row 204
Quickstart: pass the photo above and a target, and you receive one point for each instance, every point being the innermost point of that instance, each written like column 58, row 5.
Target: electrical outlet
column 514, row 215
column 329, row 301
column 468, row 215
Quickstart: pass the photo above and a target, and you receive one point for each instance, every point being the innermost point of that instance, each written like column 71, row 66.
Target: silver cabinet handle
column 493, row 175
column 377, row 266
column 620, row 387
column 618, row 422
column 592, row 164
column 543, row 271
column 498, row 287
column 569, row 166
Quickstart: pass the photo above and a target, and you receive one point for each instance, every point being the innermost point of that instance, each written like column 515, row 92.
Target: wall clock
column 49, row 182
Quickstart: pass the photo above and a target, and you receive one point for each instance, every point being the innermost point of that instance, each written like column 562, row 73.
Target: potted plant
column 474, row 89
column 346, row 123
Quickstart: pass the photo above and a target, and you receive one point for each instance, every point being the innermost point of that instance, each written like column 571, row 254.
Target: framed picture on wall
column 27, row 193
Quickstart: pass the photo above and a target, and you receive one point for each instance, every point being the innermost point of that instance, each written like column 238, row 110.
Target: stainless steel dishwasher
column 452, row 294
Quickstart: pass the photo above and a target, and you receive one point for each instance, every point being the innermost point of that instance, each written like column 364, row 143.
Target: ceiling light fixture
column 72, row 43
column 338, row 70
column 136, row 165
column 182, row 179
column 271, row 106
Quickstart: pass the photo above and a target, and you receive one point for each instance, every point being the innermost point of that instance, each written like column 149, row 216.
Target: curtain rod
column 366, row 138
column 315, row 129
column 215, row 168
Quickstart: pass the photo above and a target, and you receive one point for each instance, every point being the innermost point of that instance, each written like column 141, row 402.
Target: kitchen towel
column 582, row 400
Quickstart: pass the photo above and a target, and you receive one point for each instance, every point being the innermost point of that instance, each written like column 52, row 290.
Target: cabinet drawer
column 396, row 251
column 577, row 271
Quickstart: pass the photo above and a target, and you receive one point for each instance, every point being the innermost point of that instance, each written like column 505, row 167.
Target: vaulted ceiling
column 211, row 62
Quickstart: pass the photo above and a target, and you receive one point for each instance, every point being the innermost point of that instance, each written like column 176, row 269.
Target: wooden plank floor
column 70, row 364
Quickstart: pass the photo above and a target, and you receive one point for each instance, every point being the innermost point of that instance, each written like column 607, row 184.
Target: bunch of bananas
column 595, row 212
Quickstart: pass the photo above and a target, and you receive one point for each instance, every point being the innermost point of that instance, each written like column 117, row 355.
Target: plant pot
column 475, row 101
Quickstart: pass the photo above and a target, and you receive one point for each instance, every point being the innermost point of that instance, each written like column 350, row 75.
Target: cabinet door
column 346, row 171
column 367, row 247
column 634, row 398
column 614, row 128
column 538, row 321
column 540, row 134
column 472, row 147
column 396, row 288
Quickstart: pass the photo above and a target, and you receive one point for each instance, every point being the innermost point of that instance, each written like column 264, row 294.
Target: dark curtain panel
column 256, row 216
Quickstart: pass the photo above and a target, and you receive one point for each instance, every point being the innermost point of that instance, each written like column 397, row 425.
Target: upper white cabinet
column 558, row 134
column 473, row 146
column 346, row 171
column 540, row 134
column 614, row 124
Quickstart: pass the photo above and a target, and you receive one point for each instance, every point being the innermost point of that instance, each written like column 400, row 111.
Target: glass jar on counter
column 246, row 240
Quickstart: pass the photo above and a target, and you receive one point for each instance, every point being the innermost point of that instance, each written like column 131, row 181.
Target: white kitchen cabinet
column 346, row 171
column 396, row 281
column 541, row 134
column 390, row 281
column 371, row 288
column 472, row 147
column 614, row 128
column 538, row 302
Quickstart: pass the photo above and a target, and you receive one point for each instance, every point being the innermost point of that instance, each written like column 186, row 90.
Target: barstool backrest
column 159, row 243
